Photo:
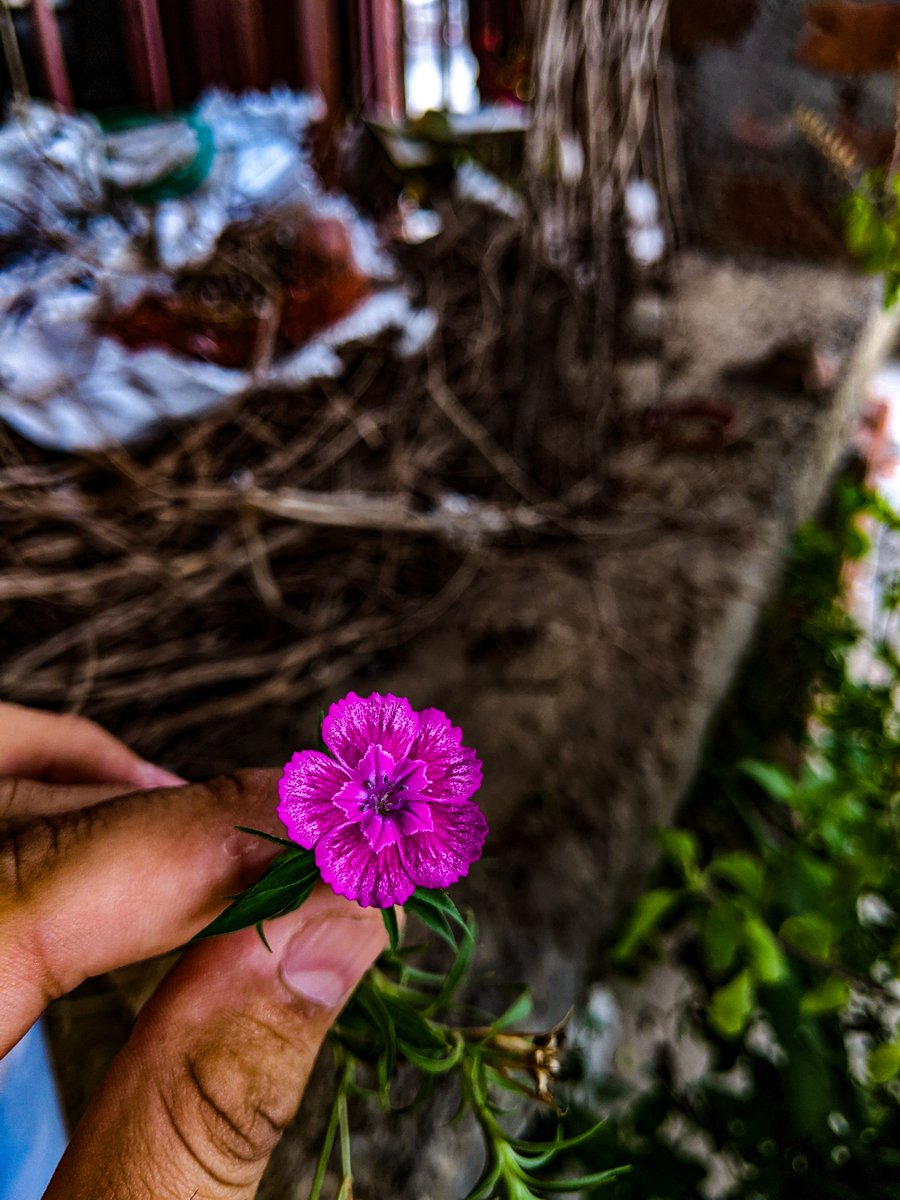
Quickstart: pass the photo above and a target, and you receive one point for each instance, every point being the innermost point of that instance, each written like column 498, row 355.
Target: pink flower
column 392, row 809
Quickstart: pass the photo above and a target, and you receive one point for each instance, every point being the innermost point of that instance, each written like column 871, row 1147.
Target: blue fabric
column 32, row 1133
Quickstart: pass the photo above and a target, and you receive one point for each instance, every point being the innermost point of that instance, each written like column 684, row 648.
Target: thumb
column 197, row 1100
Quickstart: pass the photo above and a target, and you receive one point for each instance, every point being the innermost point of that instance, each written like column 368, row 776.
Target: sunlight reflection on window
column 441, row 69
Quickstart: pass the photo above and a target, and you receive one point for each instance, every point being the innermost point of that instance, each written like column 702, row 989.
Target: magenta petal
column 439, row 858
column 351, row 800
column 349, row 865
column 307, row 790
column 454, row 773
column 379, row 831
column 354, row 724
column 414, row 817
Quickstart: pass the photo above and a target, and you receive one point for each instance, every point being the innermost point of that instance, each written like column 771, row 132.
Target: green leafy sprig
column 779, row 899
column 396, row 1018
column 871, row 212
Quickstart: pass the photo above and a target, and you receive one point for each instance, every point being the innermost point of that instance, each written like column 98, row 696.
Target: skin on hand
column 91, row 881
column 66, row 748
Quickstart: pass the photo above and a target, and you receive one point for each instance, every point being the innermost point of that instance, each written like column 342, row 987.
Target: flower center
column 384, row 794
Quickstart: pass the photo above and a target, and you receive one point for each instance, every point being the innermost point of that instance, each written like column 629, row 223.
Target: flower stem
column 337, row 1121
column 346, row 1192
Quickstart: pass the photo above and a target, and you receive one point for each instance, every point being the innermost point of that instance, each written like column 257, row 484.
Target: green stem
column 344, row 1126
column 337, row 1121
column 325, row 1153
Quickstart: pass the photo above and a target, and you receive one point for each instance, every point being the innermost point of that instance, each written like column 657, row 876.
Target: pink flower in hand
column 392, row 810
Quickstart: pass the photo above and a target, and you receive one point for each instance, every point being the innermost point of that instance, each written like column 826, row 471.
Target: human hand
column 94, row 875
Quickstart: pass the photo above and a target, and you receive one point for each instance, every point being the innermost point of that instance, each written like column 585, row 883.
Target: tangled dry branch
column 268, row 550
column 262, row 553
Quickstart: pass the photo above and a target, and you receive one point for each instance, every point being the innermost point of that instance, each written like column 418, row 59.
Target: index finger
column 86, row 892
column 67, row 748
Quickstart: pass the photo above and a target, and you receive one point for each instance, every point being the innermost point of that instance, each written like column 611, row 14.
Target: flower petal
column 454, row 773
column 307, row 790
column 439, row 858
column 350, row 866
column 355, row 723
column 414, row 817
column 352, row 800
column 379, row 831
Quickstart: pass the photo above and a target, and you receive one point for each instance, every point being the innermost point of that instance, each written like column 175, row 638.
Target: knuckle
column 9, row 789
column 228, row 792
column 23, row 853
column 28, row 853
column 241, row 793
column 233, row 1107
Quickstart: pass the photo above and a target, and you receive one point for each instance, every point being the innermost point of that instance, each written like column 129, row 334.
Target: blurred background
column 532, row 359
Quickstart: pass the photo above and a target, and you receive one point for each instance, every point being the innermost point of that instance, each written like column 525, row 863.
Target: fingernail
column 151, row 776
column 326, row 959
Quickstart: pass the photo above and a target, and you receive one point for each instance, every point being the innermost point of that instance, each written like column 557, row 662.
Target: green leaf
column 431, row 917
column 773, row 781
column 516, row 1012
column 437, row 911
column 485, row 1186
column 392, row 925
column 371, row 1003
column 580, row 1183
column 411, row 1028
column 458, row 969
column 285, row 885
column 647, row 915
column 432, row 1063
column 831, row 995
column 270, row 837
column 860, row 222
column 441, row 902
column 742, row 870
column 731, row 1006
column 884, row 1062
column 419, row 977
column 561, row 1143
column 767, row 962
column 682, row 848
column 891, row 292
column 809, row 932
column 723, row 928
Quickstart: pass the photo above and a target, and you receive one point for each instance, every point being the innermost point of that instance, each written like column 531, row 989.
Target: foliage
column 871, row 212
column 780, row 896
column 395, row 1021
column 872, row 228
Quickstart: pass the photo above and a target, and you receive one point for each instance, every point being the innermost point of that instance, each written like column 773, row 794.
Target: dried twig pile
column 265, row 552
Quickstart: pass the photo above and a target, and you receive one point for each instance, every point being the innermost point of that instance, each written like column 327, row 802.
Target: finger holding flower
column 385, row 815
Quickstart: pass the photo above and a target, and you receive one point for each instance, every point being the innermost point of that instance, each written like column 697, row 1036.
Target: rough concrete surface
column 587, row 677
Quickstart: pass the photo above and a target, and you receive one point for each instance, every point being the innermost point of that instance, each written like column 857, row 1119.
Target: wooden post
column 318, row 39
column 147, row 53
column 213, row 44
column 379, row 58
column 250, row 43
column 387, row 46
column 50, row 52
column 12, row 55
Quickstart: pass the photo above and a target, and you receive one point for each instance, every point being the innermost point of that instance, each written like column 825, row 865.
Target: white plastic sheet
column 84, row 249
